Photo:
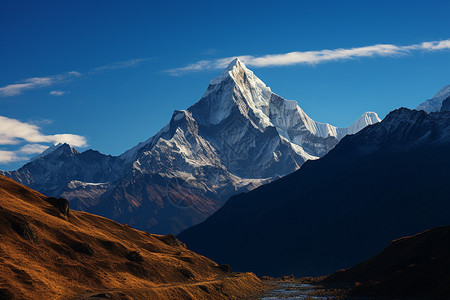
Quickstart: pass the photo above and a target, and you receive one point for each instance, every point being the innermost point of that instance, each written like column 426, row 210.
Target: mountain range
column 238, row 136
column 387, row 181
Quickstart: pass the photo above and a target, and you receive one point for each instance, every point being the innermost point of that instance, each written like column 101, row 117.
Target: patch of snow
column 76, row 184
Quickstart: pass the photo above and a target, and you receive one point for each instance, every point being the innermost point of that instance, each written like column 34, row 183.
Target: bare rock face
column 61, row 204
column 238, row 136
column 83, row 248
column 134, row 256
column 172, row 240
column 225, row 268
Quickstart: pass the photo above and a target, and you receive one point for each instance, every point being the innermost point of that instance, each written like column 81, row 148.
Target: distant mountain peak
column 65, row 148
column 434, row 104
column 58, row 148
column 443, row 92
column 368, row 118
column 405, row 128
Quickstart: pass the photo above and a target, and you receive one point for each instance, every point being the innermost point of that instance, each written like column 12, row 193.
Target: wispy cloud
column 41, row 82
column 33, row 148
column 56, row 93
column 122, row 64
column 8, row 156
column 312, row 57
column 36, row 82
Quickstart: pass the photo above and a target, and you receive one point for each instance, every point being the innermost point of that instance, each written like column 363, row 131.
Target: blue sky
column 108, row 74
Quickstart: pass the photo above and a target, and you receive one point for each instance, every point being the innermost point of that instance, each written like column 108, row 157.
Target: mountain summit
column 238, row 136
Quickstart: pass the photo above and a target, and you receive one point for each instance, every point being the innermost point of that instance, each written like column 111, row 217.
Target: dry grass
column 46, row 254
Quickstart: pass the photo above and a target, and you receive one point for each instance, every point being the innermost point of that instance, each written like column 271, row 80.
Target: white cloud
column 13, row 132
column 312, row 57
column 36, row 82
column 436, row 45
column 41, row 82
column 57, row 93
column 33, row 149
column 72, row 139
column 8, row 156
column 122, row 64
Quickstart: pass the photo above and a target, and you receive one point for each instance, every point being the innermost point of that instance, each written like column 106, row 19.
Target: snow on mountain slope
column 238, row 136
column 434, row 104
column 55, row 171
column 237, row 93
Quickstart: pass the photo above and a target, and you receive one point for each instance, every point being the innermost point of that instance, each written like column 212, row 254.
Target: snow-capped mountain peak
column 238, row 136
column 443, row 92
column 434, row 104
column 60, row 148
column 368, row 118
column 239, row 105
column 237, row 88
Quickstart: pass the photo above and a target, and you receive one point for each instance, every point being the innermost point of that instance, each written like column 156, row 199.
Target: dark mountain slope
column 387, row 181
column 446, row 104
column 416, row 266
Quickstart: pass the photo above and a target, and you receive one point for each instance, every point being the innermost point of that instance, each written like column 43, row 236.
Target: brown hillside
column 48, row 252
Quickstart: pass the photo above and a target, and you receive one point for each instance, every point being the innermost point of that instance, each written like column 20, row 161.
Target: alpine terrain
column 238, row 136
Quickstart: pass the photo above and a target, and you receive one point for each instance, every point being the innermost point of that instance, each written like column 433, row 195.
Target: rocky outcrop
column 60, row 203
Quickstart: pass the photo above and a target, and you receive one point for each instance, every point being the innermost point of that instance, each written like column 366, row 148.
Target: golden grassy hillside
column 48, row 251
